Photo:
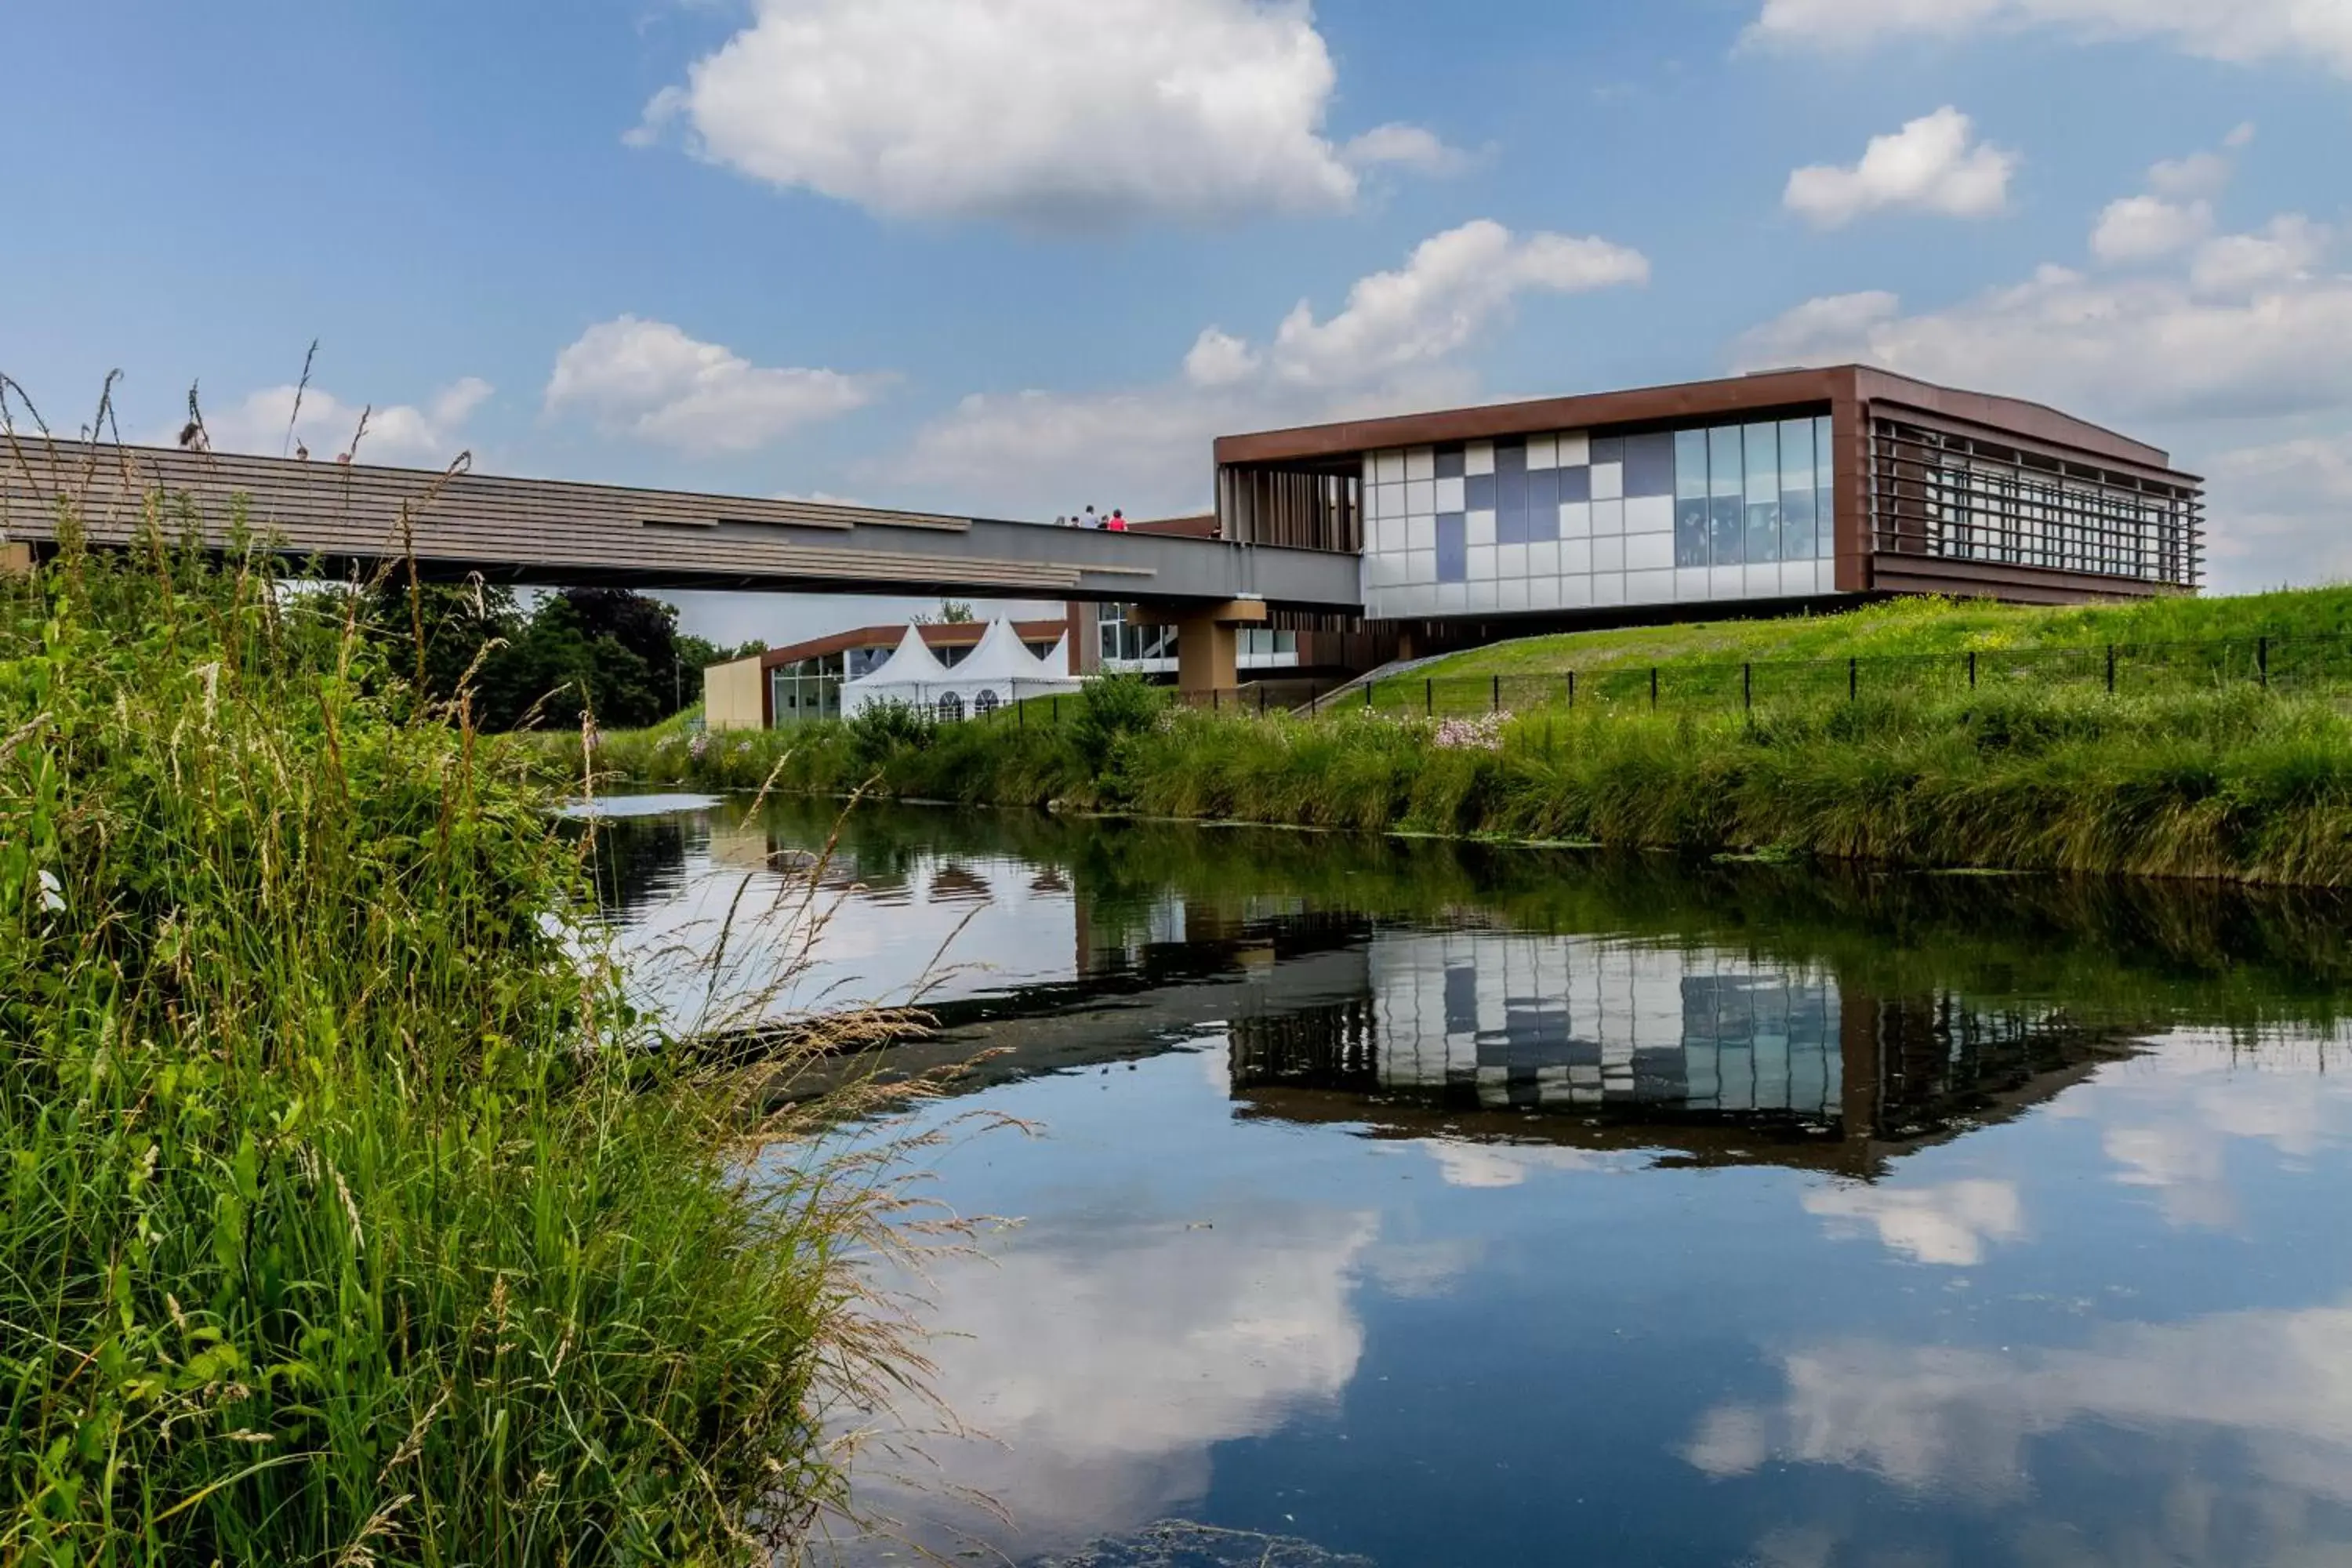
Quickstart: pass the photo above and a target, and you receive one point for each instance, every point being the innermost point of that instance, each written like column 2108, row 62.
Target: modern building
column 794, row 685
column 1779, row 489
column 1755, row 494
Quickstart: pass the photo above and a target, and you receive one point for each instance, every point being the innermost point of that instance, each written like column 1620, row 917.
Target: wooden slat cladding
column 309, row 491
column 518, row 529
column 1300, row 510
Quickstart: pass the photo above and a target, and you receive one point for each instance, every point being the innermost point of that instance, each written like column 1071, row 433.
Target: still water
column 1415, row 1204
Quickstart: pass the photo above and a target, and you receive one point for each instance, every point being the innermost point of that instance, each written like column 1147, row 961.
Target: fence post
column 1853, row 678
column 1054, row 711
column 1214, row 701
column 1747, row 687
column 1368, row 697
column 1314, row 692
column 1972, row 669
column 2262, row 660
column 1571, row 689
column 1495, row 704
column 1261, row 702
column 1429, row 697
column 1654, row 689
column 1020, row 714
column 2111, row 669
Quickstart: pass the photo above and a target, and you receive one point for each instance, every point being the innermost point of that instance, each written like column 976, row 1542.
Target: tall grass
column 2212, row 783
column 349, row 1214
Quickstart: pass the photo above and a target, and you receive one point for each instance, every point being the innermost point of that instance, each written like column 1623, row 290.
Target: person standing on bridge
column 1092, row 521
column 1118, row 523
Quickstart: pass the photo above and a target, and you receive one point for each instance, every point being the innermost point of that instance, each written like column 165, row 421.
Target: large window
column 1152, row 650
column 1690, row 497
column 1753, row 494
column 1797, row 490
column 806, row 690
column 1726, row 502
column 1762, row 443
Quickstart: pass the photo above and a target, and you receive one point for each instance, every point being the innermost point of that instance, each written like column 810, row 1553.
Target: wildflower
column 1483, row 734
column 53, row 897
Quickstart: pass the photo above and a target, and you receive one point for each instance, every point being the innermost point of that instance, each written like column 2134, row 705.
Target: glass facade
column 1152, row 650
column 809, row 689
column 1578, row 519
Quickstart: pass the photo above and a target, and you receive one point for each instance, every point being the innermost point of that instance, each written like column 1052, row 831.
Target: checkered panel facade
column 1530, row 1021
column 1576, row 520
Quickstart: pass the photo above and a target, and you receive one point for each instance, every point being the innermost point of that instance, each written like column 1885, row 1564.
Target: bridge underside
column 351, row 517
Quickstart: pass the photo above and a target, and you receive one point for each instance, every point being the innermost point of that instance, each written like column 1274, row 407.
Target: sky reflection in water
column 1441, row 1206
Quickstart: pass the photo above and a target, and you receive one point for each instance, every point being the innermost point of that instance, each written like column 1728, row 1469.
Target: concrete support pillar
column 1207, row 652
column 1207, row 656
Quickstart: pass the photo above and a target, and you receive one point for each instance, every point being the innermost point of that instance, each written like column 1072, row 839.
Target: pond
column 1412, row 1203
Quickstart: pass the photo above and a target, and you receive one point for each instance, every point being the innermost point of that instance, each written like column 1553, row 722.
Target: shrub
column 1109, row 708
column 882, row 730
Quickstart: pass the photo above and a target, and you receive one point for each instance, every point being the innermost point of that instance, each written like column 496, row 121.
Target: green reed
column 350, row 1216
column 2228, row 782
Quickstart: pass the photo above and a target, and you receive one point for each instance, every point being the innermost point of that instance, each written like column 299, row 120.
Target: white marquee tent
column 999, row 671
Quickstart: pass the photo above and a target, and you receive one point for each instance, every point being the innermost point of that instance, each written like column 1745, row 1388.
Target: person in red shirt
column 1118, row 523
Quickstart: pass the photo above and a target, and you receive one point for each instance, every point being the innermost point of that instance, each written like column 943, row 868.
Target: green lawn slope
column 1912, row 628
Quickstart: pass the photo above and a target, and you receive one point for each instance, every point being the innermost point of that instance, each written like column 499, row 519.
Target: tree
column 952, row 612
column 613, row 653
column 460, row 627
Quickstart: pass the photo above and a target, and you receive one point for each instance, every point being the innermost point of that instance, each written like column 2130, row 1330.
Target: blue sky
column 1016, row 257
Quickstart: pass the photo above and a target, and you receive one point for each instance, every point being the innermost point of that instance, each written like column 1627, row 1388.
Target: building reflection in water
column 1532, row 1022
column 1612, row 1044
column 1702, row 1052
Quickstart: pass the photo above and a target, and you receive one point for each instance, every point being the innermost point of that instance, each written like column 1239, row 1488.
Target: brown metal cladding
column 1689, row 401
column 1894, row 573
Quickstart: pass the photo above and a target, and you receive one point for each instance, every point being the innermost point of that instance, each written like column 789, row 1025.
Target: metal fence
column 2288, row 664
column 2302, row 664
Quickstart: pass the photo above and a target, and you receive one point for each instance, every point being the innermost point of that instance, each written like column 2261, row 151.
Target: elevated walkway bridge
column 353, row 518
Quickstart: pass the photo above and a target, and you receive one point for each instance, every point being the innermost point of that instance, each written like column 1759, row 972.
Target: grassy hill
column 1913, row 628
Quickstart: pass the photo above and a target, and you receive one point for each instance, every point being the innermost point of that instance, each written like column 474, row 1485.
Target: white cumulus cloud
column 2282, row 253
column 1454, row 285
column 2245, row 31
column 1397, row 340
column 326, row 427
column 1050, row 114
column 2252, row 328
column 2176, row 212
column 1935, row 163
column 1405, row 146
column 1100, row 1369
column 649, row 380
column 2138, row 228
column 1950, row 1224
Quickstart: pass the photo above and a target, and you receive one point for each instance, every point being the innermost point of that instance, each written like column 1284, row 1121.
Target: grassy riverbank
column 1916, row 628
column 348, row 1219
column 2192, row 776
